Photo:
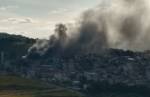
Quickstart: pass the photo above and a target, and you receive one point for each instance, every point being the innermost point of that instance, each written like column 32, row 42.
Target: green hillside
column 14, row 46
column 11, row 86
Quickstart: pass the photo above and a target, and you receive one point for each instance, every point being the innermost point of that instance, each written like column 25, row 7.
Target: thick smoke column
column 122, row 24
column 55, row 44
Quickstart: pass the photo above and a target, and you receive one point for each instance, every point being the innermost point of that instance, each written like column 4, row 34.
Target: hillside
column 12, row 86
column 14, row 46
column 112, row 72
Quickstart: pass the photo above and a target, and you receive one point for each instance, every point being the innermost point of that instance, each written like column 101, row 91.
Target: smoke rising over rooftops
column 124, row 24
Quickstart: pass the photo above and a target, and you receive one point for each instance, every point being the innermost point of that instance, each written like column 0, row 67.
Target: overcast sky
column 36, row 18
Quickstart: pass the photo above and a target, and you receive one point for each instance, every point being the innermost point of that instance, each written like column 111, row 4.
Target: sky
column 37, row 18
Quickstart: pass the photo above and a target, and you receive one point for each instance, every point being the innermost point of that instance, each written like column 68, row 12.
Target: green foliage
column 14, row 46
column 104, row 89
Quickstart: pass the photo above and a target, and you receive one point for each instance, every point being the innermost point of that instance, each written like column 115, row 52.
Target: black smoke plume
column 121, row 24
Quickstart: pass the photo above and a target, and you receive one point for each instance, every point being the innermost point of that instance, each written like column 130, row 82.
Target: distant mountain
column 14, row 46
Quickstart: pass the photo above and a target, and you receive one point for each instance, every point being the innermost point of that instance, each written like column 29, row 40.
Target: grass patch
column 12, row 86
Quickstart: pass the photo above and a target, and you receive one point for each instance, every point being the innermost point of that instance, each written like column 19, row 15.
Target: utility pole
column 2, row 58
column 2, row 55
